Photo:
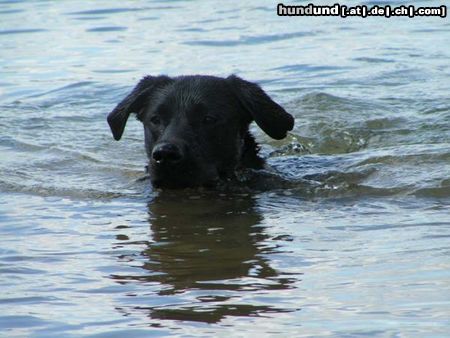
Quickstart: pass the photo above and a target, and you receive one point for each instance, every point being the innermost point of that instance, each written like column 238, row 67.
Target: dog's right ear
column 134, row 102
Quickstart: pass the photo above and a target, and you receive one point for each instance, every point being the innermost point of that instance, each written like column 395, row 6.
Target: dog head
column 196, row 127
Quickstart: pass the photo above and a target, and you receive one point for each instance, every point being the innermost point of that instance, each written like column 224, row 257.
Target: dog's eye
column 208, row 119
column 155, row 120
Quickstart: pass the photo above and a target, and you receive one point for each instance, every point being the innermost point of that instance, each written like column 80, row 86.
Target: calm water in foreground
column 352, row 238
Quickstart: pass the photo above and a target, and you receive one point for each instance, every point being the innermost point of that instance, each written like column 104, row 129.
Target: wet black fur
column 196, row 127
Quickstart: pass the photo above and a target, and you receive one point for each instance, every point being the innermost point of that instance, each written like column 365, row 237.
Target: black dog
column 196, row 127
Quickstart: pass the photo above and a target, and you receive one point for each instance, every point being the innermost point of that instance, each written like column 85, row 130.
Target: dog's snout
column 167, row 153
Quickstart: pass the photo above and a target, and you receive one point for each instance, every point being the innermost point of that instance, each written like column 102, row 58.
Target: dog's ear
column 134, row 102
column 268, row 115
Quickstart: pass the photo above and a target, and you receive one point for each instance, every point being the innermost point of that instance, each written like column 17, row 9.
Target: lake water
column 355, row 240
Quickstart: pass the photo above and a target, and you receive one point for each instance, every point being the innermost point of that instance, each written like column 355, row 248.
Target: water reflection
column 210, row 257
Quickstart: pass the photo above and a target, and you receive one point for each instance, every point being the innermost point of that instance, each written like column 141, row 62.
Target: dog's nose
column 167, row 153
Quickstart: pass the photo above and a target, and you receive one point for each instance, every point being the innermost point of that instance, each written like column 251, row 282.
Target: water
column 352, row 238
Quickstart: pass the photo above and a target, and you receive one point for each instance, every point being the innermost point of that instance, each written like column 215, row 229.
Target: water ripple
column 250, row 40
column 22, row 31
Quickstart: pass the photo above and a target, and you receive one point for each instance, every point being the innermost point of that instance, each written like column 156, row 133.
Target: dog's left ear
column 268, row 115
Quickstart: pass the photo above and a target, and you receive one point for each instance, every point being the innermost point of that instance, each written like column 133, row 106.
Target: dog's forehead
column 186, row 91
